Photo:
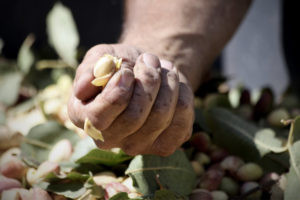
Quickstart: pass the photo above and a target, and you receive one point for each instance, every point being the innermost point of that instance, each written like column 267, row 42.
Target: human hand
column 143, row 109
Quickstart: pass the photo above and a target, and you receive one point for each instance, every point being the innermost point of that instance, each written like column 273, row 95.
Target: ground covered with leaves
column 245, row 144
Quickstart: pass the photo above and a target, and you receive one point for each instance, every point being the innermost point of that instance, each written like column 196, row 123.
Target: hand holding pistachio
column 140, row 106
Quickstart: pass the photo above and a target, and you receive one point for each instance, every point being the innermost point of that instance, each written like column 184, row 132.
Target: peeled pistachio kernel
column 104, row 68
column 92, row 131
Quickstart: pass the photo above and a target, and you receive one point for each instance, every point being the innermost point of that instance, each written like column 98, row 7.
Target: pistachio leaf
column 71, row 190
column 72, row 176
column 267, row 142
column 104, row 157
column 10, row 83
column 238, row 137
column 41, row 138
column 296, row 129
column 25, row 56
column 292, row 190
column 165, row 194
column 150, row 173
column 86, row 152
column 121, row 196
column 232, row 133
column 62, row 33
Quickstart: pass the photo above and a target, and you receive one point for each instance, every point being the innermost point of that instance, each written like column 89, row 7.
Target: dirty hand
column 143, row 109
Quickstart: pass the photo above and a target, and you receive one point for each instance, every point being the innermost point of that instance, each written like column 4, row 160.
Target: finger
column 83, row 88
column 181, row 125
column 161, row 113
column 147, row 76
column 76, row 111
column 113, row 100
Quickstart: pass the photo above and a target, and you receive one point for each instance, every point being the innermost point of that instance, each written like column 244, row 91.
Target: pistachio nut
column 104, row 68
column 92, row 131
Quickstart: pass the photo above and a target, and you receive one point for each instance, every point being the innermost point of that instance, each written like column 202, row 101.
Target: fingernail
column 166, row 64
column 126, row 79
column 151, row 60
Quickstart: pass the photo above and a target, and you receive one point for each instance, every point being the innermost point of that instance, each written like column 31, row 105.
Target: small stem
column 37, row 143
column 161, row 187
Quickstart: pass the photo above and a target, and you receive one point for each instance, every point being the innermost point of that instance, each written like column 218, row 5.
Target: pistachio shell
column 104, row 68
column 92, row 131
column 101, row 81
column 61, row 151
column 104, row 178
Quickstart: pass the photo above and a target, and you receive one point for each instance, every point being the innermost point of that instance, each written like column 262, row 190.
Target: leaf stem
column 37, row 143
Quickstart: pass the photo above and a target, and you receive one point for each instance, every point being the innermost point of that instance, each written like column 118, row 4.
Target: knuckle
column 130, row 148
column 104, row 145
column 183, row 104
column 165, row 151
column 185, row 99
column 133, row 116
column 163, row 148
column 73, row 116
column 97, row 49
column 188, row 135
column 161, row 108
column 117, row 98
column 151, row 77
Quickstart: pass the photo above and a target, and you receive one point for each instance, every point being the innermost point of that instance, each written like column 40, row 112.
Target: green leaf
column 10, row 83
column 200, row 119
column 82, row 148
column 238, row 137
column 292, row 190
column 233, row 133
column 216, row 100
column 120, row 196
column 165, row 194
column 267, row 142
column 72, row 176
column 296, row 129
column 104, row 157
column 71, row 190
column 174, row 173
column 25, row 57
column 62, row 33
column 41, row 138
column 86, row 152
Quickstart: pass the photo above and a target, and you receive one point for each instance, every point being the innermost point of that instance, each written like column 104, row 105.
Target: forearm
column 188, row 33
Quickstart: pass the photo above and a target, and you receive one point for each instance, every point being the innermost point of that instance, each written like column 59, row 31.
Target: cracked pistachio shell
column 104, row 68
column 92, row 131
